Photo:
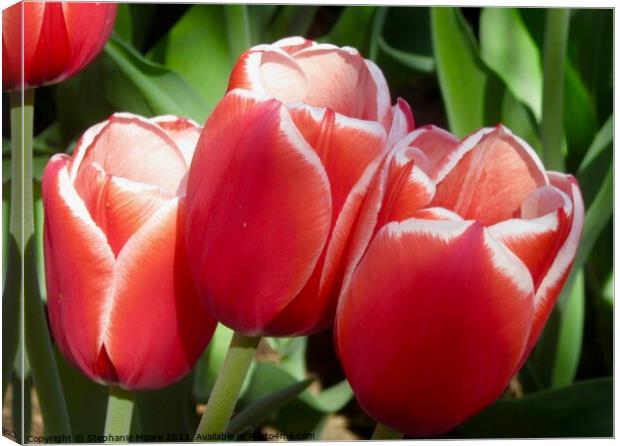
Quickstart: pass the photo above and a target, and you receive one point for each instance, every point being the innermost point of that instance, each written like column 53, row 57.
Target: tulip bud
column 122, row 305
column 453, row 272
column 59, row 39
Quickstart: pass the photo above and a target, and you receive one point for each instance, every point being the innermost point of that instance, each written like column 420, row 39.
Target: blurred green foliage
column 460, row 68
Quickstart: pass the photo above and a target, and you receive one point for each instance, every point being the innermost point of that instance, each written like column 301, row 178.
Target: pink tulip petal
column 293, row 44
column 183, row 131
column 79, row 268
column 157, row 345
column 488, row 176
column 350, row 151
column 436, row 213
column 345, row 146
column 435, row 143
column 258, row 222
column 551, row 286
column 118, row 206
column 402, row 122
column 340, row 79
column 154, row 158
column 313, row 308
column 424, row 363
column 536, row 240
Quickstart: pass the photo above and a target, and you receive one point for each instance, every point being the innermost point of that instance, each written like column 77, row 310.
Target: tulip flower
column 268, row 226
column 122, row 305
column 459, row 255
column 59, row 39
column 296, row 70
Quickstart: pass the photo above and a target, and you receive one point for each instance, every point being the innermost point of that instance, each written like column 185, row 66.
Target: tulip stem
column 35, row 331
column 382, row 432
column 227, row 388
column 118, row 415
column 556, row 36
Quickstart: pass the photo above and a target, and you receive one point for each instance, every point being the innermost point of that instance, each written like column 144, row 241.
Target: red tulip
column 59, row 39
column 453, row 274
column 268, row 226
column 296, row 70
column 122, row 305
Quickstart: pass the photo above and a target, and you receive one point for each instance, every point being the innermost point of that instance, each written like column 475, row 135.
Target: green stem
column 382, row 432
column 118, row 415
column 556, row 36
column 227, row 387
column 37, row 341
column 12, row 295
column 238, row 30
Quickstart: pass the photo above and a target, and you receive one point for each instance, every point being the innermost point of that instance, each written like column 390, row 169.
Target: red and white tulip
column 458, row 257
column 122, row 304
column 59, row 39
column 273, row 192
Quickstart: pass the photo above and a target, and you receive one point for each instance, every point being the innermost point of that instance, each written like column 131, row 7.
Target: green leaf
column 196, row 47
column 509, row 50
column 237, row 30
column 260, row 18
column 86, row 400
column 257, row 412
column 291, row 20
column 353, row 28
column 570, row 335
column 164, row 91
column 552, row 131
column 167, row 411
column 304, row 414
column 597, row 158
column 584, row 409
column 462, row 77
column 123, row 26
column 416, row 62
column 591, row 51
column 580, row 120
column 518, row 118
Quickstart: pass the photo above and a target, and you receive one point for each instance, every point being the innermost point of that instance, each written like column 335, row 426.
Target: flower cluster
column 308, row 201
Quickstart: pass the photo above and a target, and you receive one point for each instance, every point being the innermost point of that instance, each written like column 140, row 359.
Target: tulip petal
column 551, row 286
column 345, row 146
column 536, row 241
column 402, row 122
column 79, row 268
column 53, row 50
column 340, row 79
column 12, row 47
column 463, row 324
column 488, row 176
column 154, row 158
column 88, row 26
column 118, row 206
column 183, row 131
column 258, row 222
column 435, row 143
column 174, row 327
column 313, row 308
